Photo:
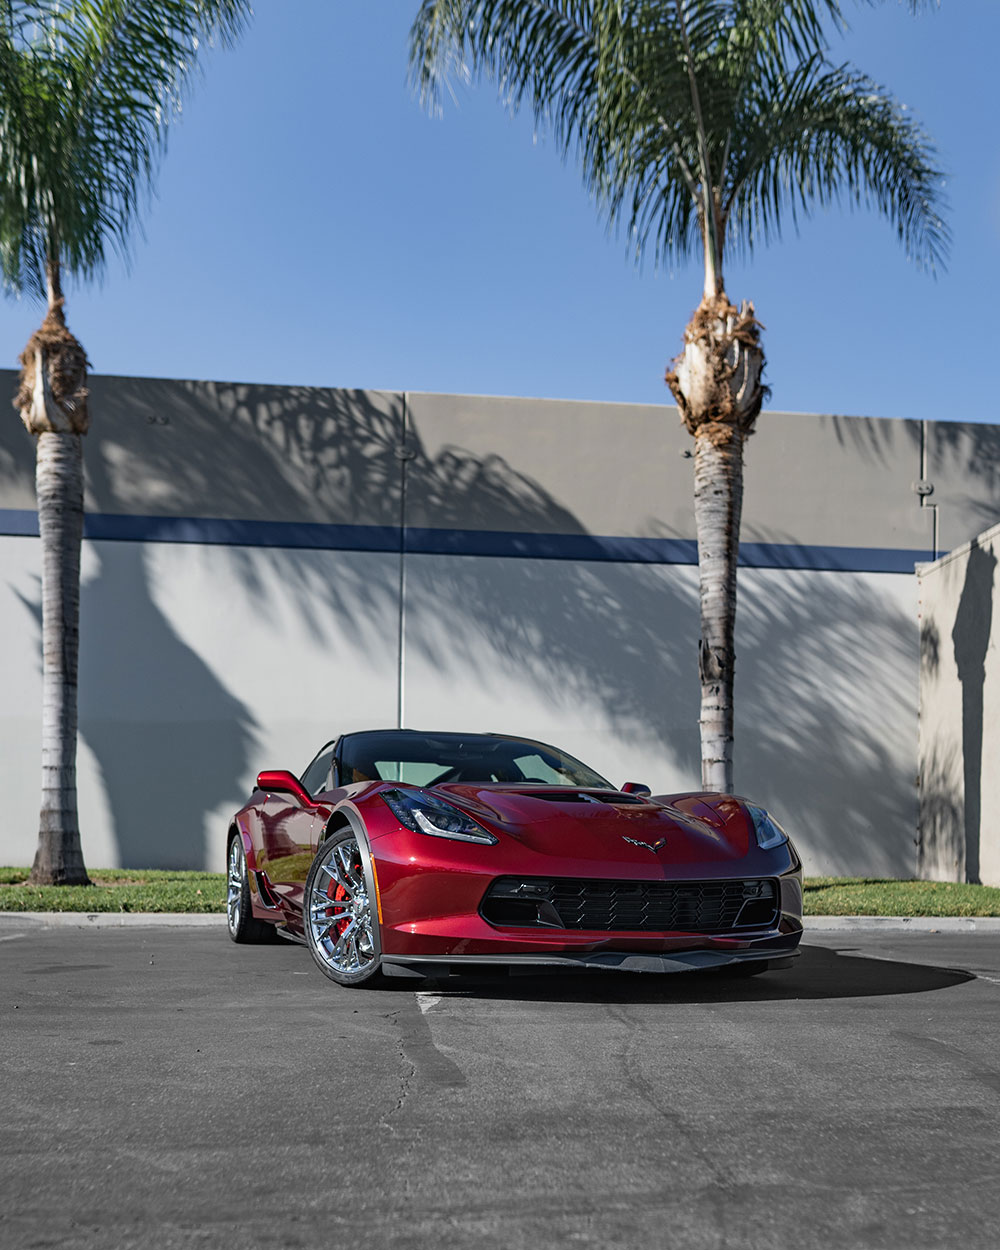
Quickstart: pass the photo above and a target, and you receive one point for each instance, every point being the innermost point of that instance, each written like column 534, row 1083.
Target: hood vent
column 602, row 798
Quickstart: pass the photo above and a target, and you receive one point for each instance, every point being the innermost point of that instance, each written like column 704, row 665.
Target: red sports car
column 408, row 854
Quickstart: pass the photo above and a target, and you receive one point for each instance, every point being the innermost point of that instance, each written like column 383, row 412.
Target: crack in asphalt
column 408, row 1069
column 419, row 1056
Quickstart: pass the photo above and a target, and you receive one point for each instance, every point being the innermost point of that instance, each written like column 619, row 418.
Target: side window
column 314, row 779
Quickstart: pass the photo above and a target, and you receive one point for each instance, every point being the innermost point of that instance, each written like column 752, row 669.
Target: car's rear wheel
column 339, row 925
column 242, row 925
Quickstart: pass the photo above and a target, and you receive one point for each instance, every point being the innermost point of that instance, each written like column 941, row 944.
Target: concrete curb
column 902, row 924
column 217, row 920
column 112, row 920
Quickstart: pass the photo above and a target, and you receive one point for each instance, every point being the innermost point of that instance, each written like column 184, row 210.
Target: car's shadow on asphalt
column 818, row 973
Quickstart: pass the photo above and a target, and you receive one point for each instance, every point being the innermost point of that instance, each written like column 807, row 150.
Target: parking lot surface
column 164, row 1088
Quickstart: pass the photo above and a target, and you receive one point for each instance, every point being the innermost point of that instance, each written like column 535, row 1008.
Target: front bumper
column 431, row 919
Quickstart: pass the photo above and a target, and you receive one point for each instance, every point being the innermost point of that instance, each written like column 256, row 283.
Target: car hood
column 604, row 825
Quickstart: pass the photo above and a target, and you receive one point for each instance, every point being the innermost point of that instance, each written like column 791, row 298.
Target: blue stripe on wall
column 20, row 523
column 426, row 541
column 551, row 546
column 219, row 531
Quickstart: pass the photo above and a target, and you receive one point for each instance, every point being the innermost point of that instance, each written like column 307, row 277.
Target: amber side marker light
column 378, row 892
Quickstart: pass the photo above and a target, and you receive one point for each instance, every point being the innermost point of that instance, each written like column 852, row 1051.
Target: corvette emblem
column 658, row 845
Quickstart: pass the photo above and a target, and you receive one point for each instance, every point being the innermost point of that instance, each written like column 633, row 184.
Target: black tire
column 339, row 915
column 240, row 921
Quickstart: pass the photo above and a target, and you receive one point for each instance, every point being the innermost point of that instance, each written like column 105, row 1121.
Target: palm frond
column 823, row 134
column 681, row 110
column 547, row 53
column 87, row 89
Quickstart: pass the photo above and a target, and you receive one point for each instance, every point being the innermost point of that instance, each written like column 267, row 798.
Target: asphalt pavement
column 164, row 1088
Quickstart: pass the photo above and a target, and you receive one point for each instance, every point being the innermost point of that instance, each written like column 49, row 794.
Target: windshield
column 424, row 759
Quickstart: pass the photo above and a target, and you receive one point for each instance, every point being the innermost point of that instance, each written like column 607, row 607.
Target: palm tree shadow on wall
column 965, row 452
column 605, row 634
column 171, row 742
column 240, row 451
column 971, row 452
column 941, row 835
column 617, row 641
column 337, row 457
column 610, row 640
column 826, row 713
column 971, row 639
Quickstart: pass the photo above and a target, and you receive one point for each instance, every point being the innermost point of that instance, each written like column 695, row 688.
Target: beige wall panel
column 199, row 667
column 548, row 466
column 17, row 455
column 232, row 450
column 963, row 463
column 565, row 467
column 834, row 481
column 600, row 659
column 960, row 714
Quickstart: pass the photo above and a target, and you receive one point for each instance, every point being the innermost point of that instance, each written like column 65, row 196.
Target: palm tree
column 87, row 88
column 702, row 125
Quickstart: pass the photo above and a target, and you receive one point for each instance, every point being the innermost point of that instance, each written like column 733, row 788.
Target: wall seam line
column 401, row 589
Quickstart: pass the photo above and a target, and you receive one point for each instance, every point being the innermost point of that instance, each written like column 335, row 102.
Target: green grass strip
column 117, row 890
column 869, row 896
column 158, row 890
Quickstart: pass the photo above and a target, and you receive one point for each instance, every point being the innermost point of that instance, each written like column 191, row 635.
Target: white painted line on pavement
column 427, row 1001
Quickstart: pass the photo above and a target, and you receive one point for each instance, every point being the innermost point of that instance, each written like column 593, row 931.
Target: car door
column 285, row 827
column 294, row 830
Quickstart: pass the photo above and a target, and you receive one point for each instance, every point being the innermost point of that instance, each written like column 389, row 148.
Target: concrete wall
column 267, row 566
column 959, row 738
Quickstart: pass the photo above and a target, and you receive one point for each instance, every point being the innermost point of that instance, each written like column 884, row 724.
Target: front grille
column 688, row 906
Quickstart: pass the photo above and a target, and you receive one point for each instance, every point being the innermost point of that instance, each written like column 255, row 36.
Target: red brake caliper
column 338, row 894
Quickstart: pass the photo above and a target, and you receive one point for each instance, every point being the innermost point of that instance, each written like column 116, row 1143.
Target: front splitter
column 606, row 961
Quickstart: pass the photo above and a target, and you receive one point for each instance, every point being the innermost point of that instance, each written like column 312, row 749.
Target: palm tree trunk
column 53, row 404
column 716, row 381
column 718, row 502
column 59, row 483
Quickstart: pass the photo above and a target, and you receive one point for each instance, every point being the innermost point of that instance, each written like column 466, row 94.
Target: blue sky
column 313, row 226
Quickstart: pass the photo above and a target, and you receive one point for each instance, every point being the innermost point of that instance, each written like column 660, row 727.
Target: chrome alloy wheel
column 338, row 920
column 234, row 886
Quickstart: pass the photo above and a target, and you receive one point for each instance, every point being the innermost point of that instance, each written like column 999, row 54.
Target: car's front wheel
column 339, row 925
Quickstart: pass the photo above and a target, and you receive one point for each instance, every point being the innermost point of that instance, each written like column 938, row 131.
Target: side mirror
column 281, row 781
column 635, row 787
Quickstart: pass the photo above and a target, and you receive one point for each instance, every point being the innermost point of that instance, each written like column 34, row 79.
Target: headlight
column 424, row 814
column 769, row 833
